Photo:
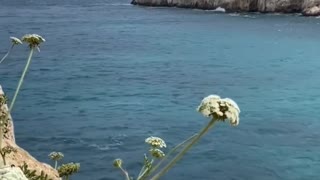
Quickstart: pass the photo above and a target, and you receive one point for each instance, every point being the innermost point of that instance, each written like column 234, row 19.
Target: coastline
column 305, row 7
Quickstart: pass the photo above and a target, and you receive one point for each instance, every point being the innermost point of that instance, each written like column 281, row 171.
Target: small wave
column 113, row 143
column 234, row 14
column 218, row 9
column 100, row 147
column 248, row 16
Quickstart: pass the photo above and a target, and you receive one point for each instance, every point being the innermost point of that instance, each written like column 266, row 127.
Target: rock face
column 12, row 173
column 21, row 156
column 283, row 6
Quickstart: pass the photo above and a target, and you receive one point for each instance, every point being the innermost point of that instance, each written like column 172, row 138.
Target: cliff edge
column 21, row 156
column 306, row 7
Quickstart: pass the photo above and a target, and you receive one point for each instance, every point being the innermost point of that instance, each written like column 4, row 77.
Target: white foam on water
column 220, row 9
column 234, row 14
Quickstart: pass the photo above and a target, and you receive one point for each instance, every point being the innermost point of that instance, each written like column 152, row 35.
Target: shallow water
column 112, row 74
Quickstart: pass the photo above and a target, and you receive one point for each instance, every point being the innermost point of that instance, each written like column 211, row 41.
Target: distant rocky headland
column 306, row 7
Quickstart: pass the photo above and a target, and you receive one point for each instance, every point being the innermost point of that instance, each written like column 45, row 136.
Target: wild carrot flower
column 156, row 142
column 15, row 41
column 56, row 156
column 6, row 150
column 66, row 170
column 117, row 163
column 220, row 109
column 34, row 40
column 157, row 153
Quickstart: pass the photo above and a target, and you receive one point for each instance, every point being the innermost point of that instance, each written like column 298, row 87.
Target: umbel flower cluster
column 220, row 109
column 34, row 40
column 156, row 144
column 56, row 155
column 15, row 41
column 67, row 170
column 216, row 108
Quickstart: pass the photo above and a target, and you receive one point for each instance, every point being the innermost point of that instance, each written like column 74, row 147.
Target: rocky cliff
column 21, row 156
column 307, row 7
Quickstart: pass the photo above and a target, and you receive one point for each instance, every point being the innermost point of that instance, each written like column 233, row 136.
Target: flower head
column 34, row 40
column 8, row 149
column 56, row 156
column 117, row 163
column 15, row 41
column 157, row 153
column 68, row 169
column 220, row 109
column 156, row 142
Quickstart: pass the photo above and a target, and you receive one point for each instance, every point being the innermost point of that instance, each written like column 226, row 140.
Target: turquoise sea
column 112, row 74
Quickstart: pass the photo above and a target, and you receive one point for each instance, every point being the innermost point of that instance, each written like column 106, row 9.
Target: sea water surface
column 111, row 74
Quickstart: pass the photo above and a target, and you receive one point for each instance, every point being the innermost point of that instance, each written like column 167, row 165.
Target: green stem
column 141, row 171
column 144, row 165
column 183, row 151
column 125, row 173
column 172, row 151
column 7, row 54
column 55, row 164
column 145, row 170
column 21, row 79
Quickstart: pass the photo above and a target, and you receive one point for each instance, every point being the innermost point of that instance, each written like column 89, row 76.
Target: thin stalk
column 125, row 173
column 172, row 151
column 183, row 151
column 55, row 164
column 142, row 170
column 4, row 159
column 142, row 175
column 144, row 165
column 21, row 79
column 7, row 54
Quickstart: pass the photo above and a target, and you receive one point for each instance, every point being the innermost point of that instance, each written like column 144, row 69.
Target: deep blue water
column 112, row 74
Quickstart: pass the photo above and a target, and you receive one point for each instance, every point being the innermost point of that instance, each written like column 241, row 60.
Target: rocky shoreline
column 306, row 7
column 21, row 156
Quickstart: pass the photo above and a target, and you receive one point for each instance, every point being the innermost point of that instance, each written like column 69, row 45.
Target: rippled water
column 111, row 74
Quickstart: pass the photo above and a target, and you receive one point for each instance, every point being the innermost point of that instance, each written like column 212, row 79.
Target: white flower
column 234, row 104
column 56, row 155
column 15, row 41
column 34, row 40
column 156, row 142
column 209, row 104
column 157, row 153
column 220, row 109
